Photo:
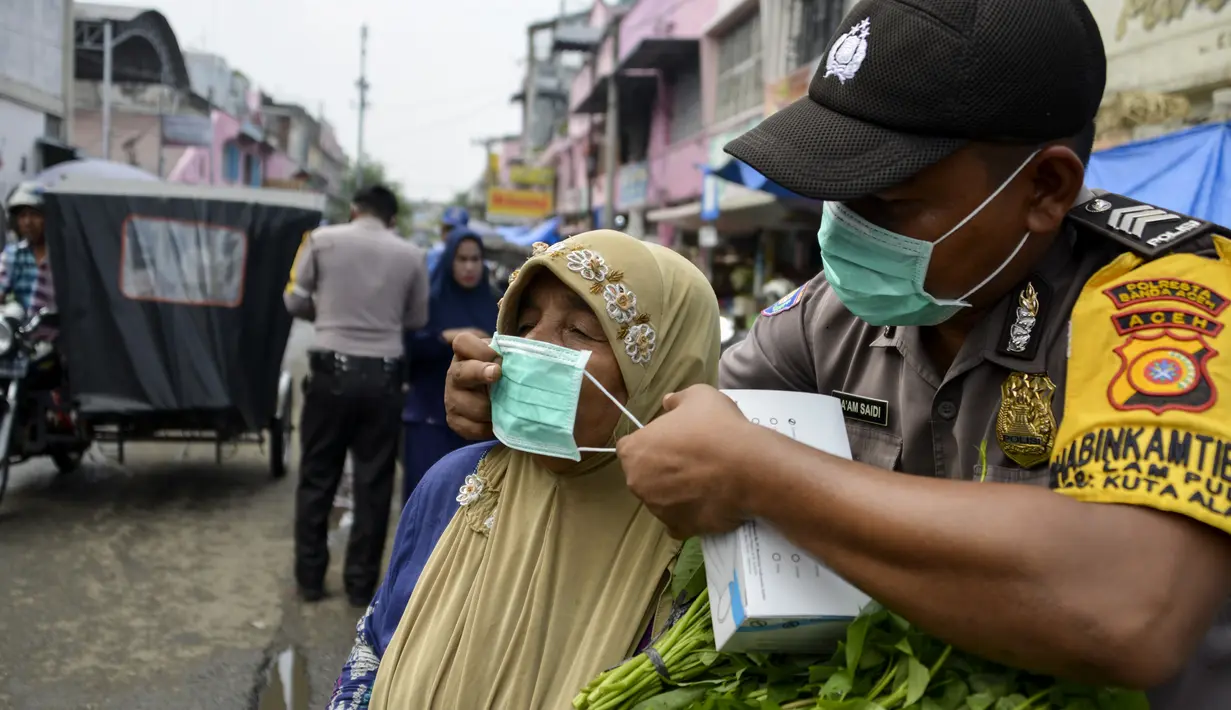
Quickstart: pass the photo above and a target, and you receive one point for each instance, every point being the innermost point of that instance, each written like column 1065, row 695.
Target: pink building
column 239, row 155
column 662, row 141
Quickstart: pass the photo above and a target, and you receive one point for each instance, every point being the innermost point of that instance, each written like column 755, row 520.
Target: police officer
column 362, row 285
column 452, row 218
column 981, row 313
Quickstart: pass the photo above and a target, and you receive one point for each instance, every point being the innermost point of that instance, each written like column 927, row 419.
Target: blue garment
column 424, row 445
column 423, row 521
column 452, row 306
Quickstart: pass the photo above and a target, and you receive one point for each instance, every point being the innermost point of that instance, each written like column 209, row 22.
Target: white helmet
column 27, row 194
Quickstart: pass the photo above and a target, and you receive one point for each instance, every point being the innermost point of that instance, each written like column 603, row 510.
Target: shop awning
column 738, row 210
column 663, row 53
column 573, row 38
column 678, row 215
column 633, row 88
column 1188, row 171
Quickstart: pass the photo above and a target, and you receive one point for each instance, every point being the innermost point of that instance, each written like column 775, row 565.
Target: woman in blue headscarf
column 462, row 301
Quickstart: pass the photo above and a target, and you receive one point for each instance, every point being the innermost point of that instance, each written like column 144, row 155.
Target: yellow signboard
column 504, row 204
column 527, row 175
column 493, row 165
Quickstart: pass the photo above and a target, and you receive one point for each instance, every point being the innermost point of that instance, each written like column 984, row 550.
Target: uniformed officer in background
column 964, row 259
column 362, row 285
column 452, row 218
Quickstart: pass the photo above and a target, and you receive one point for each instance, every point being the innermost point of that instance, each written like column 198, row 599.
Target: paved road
column 164, row 583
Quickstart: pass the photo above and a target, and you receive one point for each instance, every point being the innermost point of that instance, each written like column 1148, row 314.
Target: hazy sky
column 441, row 71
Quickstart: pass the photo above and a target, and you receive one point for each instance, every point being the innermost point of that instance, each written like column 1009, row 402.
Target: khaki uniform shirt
column 903, row 414
column 362, row 286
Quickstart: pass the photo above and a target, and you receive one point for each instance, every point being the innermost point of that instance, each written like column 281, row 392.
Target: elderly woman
column 522, row 569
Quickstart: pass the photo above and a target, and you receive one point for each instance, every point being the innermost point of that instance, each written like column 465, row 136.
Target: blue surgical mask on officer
column 879, row 275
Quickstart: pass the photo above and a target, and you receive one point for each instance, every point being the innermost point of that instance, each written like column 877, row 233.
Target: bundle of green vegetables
column 883, row 664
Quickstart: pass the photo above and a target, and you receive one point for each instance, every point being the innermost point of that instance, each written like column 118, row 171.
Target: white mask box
column 766, row 593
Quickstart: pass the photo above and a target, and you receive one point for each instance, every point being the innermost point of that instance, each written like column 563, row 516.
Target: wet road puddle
column 286, row 683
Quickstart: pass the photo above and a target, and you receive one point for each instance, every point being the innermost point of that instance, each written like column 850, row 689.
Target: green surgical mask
column 879, row 275
column 534, row 403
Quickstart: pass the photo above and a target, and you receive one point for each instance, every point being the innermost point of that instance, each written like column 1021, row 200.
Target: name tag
column 864, row 409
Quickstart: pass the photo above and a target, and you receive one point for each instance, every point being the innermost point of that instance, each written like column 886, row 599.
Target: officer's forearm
column 300, row 305
column 1018, row 574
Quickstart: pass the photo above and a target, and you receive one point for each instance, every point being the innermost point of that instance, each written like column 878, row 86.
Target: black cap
column 905, row 83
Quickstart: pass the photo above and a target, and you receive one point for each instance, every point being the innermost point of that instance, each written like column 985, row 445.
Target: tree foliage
column 373, row 174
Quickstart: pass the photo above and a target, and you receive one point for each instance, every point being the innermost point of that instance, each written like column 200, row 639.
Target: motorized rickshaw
column 169, row 297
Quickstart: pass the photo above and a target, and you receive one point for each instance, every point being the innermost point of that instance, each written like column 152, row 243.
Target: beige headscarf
column 541, row 581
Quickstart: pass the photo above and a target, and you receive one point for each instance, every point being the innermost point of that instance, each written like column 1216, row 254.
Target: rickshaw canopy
column 170, row 295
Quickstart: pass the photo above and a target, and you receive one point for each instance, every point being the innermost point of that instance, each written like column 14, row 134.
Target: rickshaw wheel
column 67, row 461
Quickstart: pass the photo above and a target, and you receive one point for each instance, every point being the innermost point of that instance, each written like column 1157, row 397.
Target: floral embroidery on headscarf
column 636, row 332
column 640, row 342
column 480, row 512
column 588, row 265
column 471, row 489
column 621, row 303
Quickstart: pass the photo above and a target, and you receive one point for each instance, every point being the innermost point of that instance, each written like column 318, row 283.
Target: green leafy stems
column 883, row 663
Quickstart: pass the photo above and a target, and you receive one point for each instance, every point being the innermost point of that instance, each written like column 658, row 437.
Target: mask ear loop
column 990, row 197
column 616, row 402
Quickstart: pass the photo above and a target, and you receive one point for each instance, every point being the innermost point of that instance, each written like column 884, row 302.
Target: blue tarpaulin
column 547, row 232
column 1188, row 171
column 741, row 173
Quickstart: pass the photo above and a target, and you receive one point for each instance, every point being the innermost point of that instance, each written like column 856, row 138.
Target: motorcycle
column 37, row 417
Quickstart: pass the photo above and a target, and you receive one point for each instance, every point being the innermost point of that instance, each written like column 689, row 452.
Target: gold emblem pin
column 1026, row 426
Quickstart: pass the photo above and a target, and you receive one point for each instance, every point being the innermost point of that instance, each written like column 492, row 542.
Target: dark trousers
column 425, row 444
column 365, row 420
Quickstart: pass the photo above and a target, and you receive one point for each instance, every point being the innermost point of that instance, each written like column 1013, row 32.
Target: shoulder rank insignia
column 1026, row 426
column 1144, row 229
column 785, row 303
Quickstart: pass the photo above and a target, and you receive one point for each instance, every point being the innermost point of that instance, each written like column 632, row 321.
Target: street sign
column 531, row 176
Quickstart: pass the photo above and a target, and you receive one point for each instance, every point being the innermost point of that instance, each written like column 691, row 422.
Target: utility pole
column 108, row 41
column 489, row 176
column 611, row 154
column 531, row 94
column 363, row 86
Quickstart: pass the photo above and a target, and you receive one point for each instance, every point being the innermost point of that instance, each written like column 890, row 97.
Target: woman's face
column 468, row 263
column 551, row 312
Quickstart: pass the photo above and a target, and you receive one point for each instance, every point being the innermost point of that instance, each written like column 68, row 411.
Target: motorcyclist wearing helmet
column 25, row 273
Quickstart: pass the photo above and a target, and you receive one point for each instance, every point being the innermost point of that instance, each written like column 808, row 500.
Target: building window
column 184, row 262
column 686, row 105
column 812, row 23
column 740, row 86
column 252, row 170
column 53, row 127
column 230, row 162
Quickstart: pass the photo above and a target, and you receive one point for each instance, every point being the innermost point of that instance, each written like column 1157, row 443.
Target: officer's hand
column 680, row 465
column 468, row 403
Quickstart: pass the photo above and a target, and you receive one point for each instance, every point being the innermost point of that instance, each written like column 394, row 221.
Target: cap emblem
column 847, row 53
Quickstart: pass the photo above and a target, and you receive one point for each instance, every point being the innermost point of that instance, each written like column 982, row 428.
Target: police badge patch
column 1026, row 425
column 785, row 303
